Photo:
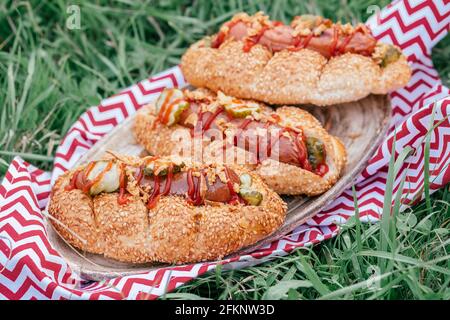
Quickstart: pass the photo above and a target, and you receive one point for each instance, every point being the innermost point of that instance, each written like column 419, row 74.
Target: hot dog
column 310, row 32
column 310, row 60
column 106, row 176
column 163, row 209
column 288, row 138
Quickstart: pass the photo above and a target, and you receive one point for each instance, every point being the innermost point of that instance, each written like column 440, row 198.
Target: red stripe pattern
column 31, row 269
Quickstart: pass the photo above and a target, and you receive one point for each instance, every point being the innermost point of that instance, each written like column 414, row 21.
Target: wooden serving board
column 361, row 126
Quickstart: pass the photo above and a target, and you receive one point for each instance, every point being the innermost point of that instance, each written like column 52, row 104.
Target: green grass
column 49, row 75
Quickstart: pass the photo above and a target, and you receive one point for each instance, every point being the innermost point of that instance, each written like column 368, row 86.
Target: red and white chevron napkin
column 31, row 269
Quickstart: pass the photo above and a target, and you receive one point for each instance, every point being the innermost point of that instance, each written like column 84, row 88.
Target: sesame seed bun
column 174, row 231
column 290, row 77
column 283, row 178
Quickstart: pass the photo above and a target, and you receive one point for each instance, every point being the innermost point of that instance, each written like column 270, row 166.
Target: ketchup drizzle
column 322, row 169
column 296, row 44
column 164, row 118
column 245, row 124
column 272, row 143
column 235, row 198
column 140, row 174
column 168, row 181
column 153, row 199
column 307, row 40
column 194, row 196
column 156, row 193
column 302, row 153
column 163, row 109
column 73, row 181
column 220, row 38
column 241, row 128
column 122, row 199
column 249, row 42
column 211, row 119
column 345, row 43
column 203, row 127
column 335, row 40
column 88, row 184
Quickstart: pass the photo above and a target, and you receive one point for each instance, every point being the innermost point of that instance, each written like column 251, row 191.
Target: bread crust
column 172, row 232
column 283, row 178
column 290, row 77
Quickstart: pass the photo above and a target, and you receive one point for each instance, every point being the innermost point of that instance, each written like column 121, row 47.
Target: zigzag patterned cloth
column 31, row 269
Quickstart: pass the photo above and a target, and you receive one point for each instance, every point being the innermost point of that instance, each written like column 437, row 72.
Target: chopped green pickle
column 150, row 171
column 172, row 92
column 169, row 97
column 252, row 197
column 392, row 54
column 316, row 151
column 242, row 110
column 110, row 180
column 176, row 111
